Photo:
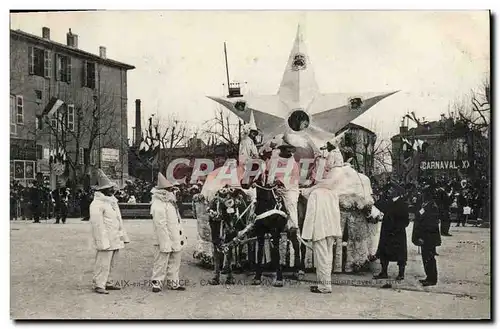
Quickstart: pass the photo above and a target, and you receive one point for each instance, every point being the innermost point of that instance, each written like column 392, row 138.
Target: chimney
column 138, row 128
column 46, row 33
column 71, row 39
column 102, row 52
column 403, row 130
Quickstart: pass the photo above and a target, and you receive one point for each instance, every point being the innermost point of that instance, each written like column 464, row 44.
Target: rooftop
column 73, row 50
column 354, row 126
column 429, row 128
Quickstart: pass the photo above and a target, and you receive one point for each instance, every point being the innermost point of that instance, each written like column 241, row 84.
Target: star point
column 299, row 91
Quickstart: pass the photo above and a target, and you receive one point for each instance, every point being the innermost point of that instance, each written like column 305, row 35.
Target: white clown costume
column 322, row 226
column 108, row 234
column 168, row 237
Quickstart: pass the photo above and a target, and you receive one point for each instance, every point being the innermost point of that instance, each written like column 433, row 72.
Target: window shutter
column 31, row 60
column 71, row 117
column 68, row 67
column 84, row 74
column 47, row 63
column 95, row 76
column 81, row 156
column 13, row 126
column 58, row 67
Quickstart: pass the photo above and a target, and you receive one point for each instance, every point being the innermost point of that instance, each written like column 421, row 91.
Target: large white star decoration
column 299, row 108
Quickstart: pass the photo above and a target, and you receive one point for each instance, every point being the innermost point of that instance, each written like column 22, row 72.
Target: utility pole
column 227, row 69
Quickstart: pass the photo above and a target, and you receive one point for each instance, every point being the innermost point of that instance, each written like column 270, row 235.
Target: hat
column 163, row 182
column 103, row 182
column 251, row 123
column 285, row 144
column 394, row 185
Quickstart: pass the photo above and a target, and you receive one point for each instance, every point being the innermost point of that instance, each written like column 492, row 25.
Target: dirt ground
column 51, row 273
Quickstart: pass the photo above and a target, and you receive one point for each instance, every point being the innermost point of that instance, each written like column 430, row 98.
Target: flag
column 415, row 145
column 53, row 105
column 156, row 144
column 143, row 147
column 406, row 143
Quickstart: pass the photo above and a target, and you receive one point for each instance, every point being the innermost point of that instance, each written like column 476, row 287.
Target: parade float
column 308, row 119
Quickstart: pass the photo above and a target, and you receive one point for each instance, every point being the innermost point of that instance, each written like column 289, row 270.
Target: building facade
column 359, row 146
column 68, row 110
column 439, row 154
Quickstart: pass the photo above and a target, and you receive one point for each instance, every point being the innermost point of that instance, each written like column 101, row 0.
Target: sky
column 433, row 58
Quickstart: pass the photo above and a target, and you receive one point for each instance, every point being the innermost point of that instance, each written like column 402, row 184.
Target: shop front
column 23, row 166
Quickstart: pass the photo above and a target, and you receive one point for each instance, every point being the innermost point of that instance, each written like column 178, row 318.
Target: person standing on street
column 60, row 196
column 36, row 201
column 108, row 233
column 168, row 237
column 444, row 202
column 392, row 246
column 426, row 234
column 322, row 226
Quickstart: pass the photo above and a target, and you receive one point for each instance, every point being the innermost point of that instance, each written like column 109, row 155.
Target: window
column 89, row 75
column 56, row 120
column 63, row 68
column 70, row 118
column 19, row 110
column 53, row 121
column 13, row 126
column 39, row 62
column 86, row 156
column 38, row 94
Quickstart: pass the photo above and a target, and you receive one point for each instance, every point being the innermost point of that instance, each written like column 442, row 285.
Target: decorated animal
column 228, row 212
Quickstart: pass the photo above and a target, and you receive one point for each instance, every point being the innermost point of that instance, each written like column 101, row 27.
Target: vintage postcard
column 250, row 165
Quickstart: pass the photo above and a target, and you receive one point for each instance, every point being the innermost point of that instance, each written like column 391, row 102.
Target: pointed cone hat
column 252, row 124
column 163, row 182
column 103, row 182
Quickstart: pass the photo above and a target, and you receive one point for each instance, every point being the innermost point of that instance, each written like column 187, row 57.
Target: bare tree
column 382, row 157
column 162, row 135
column 471, row 117
column 221, row 129
column 93, row 125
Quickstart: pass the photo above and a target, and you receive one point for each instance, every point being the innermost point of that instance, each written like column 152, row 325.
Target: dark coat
column 444, row 202
column 392, row 244
column 426, row 225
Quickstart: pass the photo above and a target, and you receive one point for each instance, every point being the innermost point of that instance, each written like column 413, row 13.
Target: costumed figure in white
column 109, row 235
column 356, row 201
column 168, row 237
column 248, row 148
column 322, row 227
